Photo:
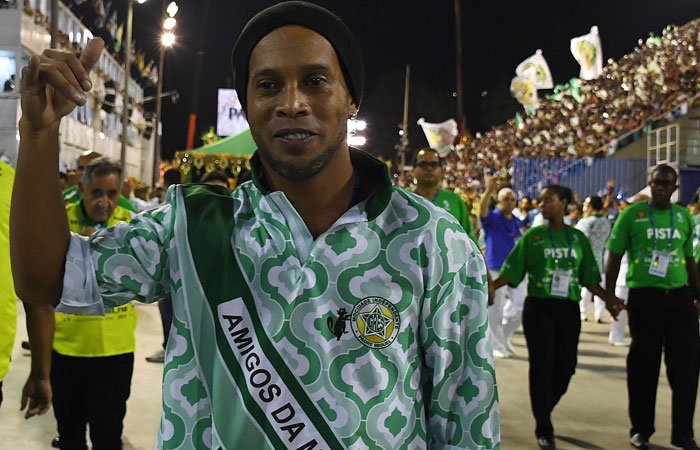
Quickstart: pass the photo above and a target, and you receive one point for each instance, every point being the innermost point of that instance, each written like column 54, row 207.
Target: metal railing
column 585, row 176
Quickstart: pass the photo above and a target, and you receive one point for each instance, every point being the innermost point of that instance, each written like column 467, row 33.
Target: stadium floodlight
column 169, row 23
column 171, row 9
column 168, row 39
column 357, row 141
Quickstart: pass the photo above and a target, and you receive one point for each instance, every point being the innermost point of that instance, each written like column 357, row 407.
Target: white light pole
column 167, row 40
column 127, row 77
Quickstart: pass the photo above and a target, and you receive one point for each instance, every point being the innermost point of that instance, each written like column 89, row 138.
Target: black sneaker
column 688, row 445
column 639, row 441
column 546, row 443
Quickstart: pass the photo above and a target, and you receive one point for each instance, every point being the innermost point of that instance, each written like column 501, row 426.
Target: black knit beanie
column 310, row 16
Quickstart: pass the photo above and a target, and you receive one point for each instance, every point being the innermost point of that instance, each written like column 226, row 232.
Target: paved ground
column 592, row 414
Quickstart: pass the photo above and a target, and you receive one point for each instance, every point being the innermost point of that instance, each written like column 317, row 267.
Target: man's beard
column 296, row 173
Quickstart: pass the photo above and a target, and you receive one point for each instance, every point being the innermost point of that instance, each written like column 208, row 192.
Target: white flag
column 525, row 92
column 589, row 54
column 536, row 68
column 440, row 136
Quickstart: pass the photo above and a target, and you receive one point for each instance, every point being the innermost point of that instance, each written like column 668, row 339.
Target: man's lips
column 294, row 137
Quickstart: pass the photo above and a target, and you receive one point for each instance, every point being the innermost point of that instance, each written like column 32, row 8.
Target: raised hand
column 54, row 83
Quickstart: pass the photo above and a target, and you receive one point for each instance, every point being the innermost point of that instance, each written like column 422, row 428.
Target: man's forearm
column 484, row 203
column 612, row 270
column 40, row 327
column 693, row 276
column 39, row 232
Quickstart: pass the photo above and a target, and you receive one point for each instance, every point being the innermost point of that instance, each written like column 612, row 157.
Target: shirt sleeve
column 461, row 396
column 620, row 233
column 466, row 222
column 487, row 221
column 514, row 267
column 118, row 264
column 588, row 273
column 688, row 244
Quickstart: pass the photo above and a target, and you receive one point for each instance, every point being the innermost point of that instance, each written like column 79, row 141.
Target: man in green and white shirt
column 596, row 227
column 314, row 307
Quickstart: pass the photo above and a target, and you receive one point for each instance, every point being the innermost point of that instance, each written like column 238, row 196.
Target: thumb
column 23, row 402
column 91, row 54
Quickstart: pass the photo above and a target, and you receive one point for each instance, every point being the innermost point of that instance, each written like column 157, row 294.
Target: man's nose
column 293, row 102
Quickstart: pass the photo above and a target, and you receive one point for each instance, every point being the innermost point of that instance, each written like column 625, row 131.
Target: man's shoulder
column 451, row 195
column 636, row 211
column 403, row 197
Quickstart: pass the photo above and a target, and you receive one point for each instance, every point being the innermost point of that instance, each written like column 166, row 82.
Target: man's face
column 141, row 193
column 506, row 202
column 662, row 185
column 298, row 102
column 100, row 196
column 427, row 170
column 524, row 204
column 587, row 208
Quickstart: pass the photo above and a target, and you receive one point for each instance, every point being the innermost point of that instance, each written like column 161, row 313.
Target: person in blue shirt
column 502, row 229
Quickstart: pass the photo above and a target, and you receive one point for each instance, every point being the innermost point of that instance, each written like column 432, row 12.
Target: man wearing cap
column 663, row 280
column 317, row 306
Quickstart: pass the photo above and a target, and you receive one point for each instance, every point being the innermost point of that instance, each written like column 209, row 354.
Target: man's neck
column 557, row 224
column 663, row 204
column 427, row 191
column 321, row 199
column 507, row 214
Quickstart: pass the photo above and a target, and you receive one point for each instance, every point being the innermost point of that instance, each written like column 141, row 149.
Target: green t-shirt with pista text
column 535, row 256
column 633, row 233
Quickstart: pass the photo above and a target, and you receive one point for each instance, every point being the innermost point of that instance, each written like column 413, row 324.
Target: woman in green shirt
column 558, row 261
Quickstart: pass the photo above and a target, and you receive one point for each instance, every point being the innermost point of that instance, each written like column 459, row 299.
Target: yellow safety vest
column 8, row 300
column 92, row 336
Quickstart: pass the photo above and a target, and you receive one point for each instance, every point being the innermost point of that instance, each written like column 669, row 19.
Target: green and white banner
column 589, row 53
column 524, row 90
column 535, row 67
column 441, row 136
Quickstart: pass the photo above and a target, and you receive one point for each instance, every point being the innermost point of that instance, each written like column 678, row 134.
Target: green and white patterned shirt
column 373, row 335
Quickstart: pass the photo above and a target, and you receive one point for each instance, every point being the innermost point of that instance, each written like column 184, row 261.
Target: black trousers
column 663, row 319
column 552, row 327
column 91, row 391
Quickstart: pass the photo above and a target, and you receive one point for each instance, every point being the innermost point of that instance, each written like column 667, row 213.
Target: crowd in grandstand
column 659, row 75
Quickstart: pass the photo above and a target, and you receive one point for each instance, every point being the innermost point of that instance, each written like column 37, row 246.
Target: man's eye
column 266, row 85
column 316, row 81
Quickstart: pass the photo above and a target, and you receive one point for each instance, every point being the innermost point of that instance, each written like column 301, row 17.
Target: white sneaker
column 619, row 343
column 510, row 349
column 499, row 354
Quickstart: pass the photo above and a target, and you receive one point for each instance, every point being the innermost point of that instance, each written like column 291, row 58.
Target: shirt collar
column 370, row 169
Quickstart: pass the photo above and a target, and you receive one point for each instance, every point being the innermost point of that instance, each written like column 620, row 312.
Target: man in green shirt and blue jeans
column 658, row 239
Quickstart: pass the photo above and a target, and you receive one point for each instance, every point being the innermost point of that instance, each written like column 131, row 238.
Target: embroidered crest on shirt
column 375, row 322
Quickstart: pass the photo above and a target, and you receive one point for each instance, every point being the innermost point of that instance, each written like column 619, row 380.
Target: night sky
column 497, row 35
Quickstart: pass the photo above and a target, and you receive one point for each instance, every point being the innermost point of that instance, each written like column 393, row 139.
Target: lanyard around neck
column 554, row 247
column 653, row 225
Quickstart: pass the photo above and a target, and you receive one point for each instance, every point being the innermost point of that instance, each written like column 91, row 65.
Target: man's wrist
column 27, row 130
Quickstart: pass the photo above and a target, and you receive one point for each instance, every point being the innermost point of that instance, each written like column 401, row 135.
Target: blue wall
column 585, row 176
